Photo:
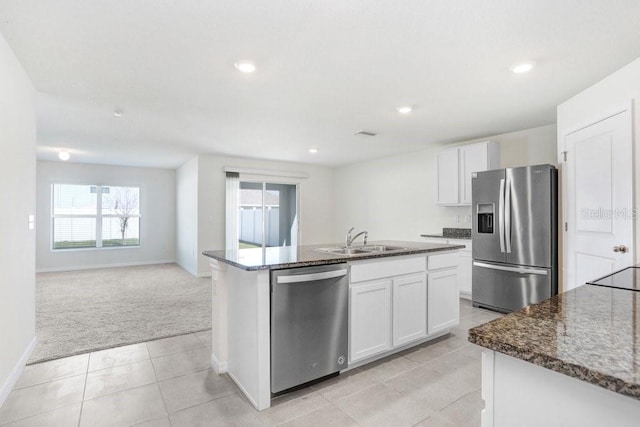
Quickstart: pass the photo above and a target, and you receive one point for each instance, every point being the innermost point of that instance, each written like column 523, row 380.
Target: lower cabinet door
column 369, row 319
column 443, row 305
column 409, row 309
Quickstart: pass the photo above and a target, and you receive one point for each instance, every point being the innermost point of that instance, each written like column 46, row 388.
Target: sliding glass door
column 267, row 214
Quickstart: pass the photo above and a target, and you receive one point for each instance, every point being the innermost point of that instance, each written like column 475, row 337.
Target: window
column 267, row 215
column 260, row 213
column 94, row 216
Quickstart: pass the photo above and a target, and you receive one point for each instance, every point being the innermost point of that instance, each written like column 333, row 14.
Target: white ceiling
column 326, row 69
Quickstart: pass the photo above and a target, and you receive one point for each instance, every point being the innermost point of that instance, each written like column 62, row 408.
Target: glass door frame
column 264, row 180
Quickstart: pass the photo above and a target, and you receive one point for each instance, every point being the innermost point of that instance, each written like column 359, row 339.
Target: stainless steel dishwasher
column 309, row 321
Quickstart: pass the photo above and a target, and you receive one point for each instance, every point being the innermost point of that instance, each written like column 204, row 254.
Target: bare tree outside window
column 122, row 203
column 94, row 216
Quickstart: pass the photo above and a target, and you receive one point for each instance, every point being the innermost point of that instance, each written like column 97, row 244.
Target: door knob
column 621, row 248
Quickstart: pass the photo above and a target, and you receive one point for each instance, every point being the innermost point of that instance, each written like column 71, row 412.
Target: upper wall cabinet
column 455, row 166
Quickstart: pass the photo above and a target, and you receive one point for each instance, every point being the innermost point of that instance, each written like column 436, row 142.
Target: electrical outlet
column 32, row 222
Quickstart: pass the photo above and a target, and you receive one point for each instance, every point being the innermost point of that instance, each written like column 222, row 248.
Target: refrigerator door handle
column 523, row 270
column 501, row 216
column 507, row 216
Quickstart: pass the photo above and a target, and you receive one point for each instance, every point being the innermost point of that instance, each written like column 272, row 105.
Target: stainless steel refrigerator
column 515, row 237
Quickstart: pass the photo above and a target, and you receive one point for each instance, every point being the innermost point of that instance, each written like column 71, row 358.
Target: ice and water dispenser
column 485, row 218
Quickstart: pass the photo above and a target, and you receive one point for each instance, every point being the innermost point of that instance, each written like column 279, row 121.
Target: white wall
column 157, row 209
column 187, row 216
column 596, row 103
column 395, row 197
column 18, row 188
column 316, row 204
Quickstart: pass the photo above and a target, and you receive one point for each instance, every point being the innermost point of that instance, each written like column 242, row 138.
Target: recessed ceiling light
column 64, row 155
column 245, row 67
column 404, row 109
column 313, row 150
column 523, row 67
column 118, row 112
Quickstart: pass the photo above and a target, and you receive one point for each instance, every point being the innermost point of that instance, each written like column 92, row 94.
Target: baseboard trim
column 11, row 381
column 219, row 368
column 89, row 267
column 187, row 269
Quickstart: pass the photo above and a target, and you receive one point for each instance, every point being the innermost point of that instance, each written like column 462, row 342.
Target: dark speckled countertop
column 452, row 233
column 591, row 333
column 303, row 256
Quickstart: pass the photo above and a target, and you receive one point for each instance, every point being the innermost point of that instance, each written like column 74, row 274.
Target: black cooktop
column 629, row 278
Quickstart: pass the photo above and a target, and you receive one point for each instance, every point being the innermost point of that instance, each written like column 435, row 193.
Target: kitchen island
column 571, row 360
column 399, row 296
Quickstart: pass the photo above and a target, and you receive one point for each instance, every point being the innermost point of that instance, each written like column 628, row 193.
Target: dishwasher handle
column 312, row 277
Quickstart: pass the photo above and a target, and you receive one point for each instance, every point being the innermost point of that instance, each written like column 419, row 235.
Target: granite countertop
column 591, row 333
column 452, row 233
column 303, row 256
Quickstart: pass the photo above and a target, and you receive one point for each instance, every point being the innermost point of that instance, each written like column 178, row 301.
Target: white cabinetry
column 465, row 266
column 370, row 319
column 390, row 302
column 465, row 263
column 409, row 308
column 388, row 305
column 443, row 306
column 455, row 167
column 448, row 177
column 443, row 301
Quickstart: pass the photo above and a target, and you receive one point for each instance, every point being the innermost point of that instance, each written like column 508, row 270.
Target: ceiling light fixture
column 404, row 110
column 523, row 67
column 313, row 150
column 118, row 112
column 365, row 133
column 245, row 67
column 64, row 155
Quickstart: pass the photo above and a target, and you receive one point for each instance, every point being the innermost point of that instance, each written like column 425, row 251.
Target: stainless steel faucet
column 349, row 240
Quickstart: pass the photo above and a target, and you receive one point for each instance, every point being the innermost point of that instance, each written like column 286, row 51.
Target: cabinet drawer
column 378, row 269
column 442, row 261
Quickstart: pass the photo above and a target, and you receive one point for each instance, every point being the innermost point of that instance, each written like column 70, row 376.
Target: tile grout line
column 84, row 390
column 117, row 364
column 37, row 415
column 63, row 377
column 297, row 416
column 155, row 375
column 458, row 399
column 233, row 393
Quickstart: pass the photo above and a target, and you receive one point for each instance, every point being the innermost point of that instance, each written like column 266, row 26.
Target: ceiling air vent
column 365, row 133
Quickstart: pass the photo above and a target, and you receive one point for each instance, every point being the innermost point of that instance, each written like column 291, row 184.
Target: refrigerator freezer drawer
column 507, row 287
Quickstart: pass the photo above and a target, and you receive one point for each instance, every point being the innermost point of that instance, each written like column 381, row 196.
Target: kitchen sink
column 360, row 250
column 381, row 248
column 343, row 251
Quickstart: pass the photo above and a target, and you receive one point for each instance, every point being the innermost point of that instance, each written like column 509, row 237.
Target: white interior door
column 599, row 200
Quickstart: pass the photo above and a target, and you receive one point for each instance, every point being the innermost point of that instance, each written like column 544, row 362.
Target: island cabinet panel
column 442, row 297
column 520, row 393
column 465, row 268
column 369, row 319
column 464, row 262
column 409, row 308
column 376, row 269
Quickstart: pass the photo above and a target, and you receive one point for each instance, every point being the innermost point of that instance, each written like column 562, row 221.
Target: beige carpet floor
column 88, row 310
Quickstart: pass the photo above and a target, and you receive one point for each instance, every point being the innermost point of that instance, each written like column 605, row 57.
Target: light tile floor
column 168, row 383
